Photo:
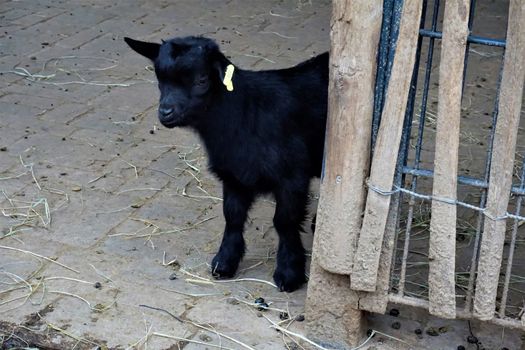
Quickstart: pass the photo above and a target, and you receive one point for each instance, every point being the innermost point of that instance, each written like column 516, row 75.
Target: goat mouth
column 173, row 122
column 169, row 123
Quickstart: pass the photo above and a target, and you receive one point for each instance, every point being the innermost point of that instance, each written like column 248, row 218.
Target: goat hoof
column 288, row 280
column 223, row 268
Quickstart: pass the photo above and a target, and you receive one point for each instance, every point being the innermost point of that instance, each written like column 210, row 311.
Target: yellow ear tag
column 228, row 77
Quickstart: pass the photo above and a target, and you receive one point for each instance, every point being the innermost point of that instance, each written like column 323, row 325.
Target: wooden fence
column 357, row 217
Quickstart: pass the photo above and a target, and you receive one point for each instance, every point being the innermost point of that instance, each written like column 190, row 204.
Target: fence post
column 332, row 315
column 331, row 306
column 510, row 102
column 442, row 250
column 367, row 256
column 355, row 28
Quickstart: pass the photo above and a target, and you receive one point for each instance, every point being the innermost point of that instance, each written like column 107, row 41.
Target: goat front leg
column 290, row 213
column 236, row 204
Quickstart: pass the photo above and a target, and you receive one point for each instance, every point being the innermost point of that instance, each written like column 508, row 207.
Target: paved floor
column 109, row 220
column 104, row 210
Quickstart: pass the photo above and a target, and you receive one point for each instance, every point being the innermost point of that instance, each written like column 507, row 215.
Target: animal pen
column 424, row 226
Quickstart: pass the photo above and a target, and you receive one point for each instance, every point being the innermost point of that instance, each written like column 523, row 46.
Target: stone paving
column 109, row 220
column 124, row 211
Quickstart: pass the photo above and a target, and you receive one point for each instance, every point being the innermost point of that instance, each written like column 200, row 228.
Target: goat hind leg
column 290, row 213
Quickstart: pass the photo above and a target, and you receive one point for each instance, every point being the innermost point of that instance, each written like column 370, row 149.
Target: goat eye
column 203, row 80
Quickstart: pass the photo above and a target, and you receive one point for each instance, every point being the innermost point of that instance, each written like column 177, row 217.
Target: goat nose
column 165, row 111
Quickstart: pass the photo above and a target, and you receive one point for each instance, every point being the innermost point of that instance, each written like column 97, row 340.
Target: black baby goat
column 263, row 132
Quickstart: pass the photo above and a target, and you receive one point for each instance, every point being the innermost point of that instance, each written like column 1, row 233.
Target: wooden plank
column 510, row 101
column 366, row 260
column 442, row 250
column 332, row 316
column 378, row 301
column 355, row 32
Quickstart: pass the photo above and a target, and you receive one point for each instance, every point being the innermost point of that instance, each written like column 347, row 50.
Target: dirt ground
column 109, row 220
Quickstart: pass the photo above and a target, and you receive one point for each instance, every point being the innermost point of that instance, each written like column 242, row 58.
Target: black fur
column 265, row 136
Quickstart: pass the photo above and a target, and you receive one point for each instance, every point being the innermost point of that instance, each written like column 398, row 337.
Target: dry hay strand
column 58, row 76
column 33, row 213
column 40, row 257
column 156, row 231
column 278, row 34
column 39, row 284
column 26, row 214
column 36, row 283
column 79, row 339
column 196, row 279
column 204, row 327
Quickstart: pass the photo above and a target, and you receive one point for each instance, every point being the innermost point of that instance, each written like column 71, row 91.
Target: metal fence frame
column 390, row 29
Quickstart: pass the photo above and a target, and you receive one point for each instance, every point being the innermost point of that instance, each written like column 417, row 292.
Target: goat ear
column 146, row 49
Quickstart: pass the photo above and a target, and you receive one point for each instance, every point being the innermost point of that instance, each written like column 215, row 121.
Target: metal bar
column 475, row 253
column 472, row 39
column 482, row 203
column 465, row 60
column 464, row 180
column 428, row 71
column 382, row 63
column 470, row 25
column 394, row 34
column 471, row 14
column 388, row 42
column 426, row 87
column 407, row 127
column 381, row 81
column 510, row 258
column 396, row 201
column 402, row 158
column 402, row 277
